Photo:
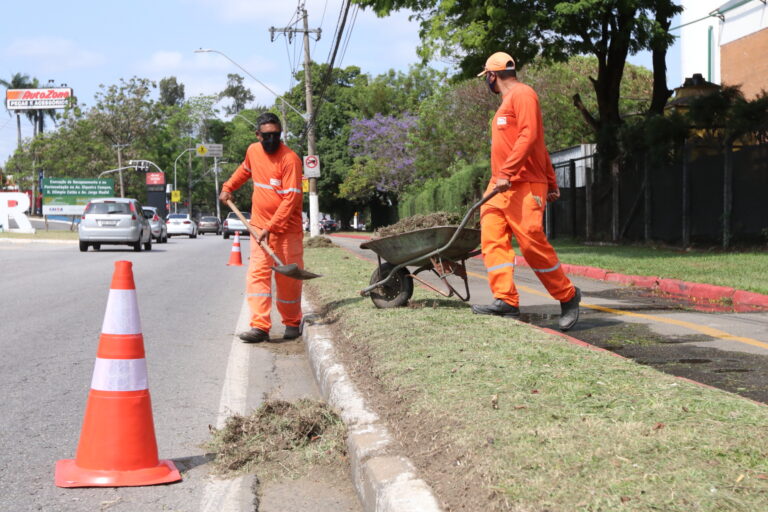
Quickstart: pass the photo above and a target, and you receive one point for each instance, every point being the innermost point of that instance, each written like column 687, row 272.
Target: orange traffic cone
column 235, row 258
column 117, row 443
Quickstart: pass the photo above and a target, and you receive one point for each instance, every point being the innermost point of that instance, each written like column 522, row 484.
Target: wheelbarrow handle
column 464, row 221
column 255, row 232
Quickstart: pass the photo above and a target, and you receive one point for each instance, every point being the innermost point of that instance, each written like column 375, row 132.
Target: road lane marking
column 226, row 495
column 709, row 331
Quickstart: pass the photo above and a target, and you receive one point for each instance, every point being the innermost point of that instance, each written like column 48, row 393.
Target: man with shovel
column 522, row 173
column 275, row 171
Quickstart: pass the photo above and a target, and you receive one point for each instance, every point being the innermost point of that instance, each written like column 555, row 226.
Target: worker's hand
column 502, row 184
column 225, row 196
column 553, row 195
column 264, row 236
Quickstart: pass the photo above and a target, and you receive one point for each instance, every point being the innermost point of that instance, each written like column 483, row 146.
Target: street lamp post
column 176, row 204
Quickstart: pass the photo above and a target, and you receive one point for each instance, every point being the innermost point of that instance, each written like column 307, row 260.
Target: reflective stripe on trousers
column 258, row 281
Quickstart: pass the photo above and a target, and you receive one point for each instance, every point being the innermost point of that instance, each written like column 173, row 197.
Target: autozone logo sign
column 28, row 99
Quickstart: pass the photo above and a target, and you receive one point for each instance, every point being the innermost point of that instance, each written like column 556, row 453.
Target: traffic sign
column 312, row 166
column 175, row 196
column 210, row 150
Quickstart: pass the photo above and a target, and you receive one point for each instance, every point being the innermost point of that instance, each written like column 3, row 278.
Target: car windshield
column 177, row 216
column 233, row 215
column 108, row 208
column 210, row 219
column 148, row 214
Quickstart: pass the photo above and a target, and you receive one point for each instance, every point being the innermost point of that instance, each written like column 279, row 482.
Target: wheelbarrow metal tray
column 397, row 249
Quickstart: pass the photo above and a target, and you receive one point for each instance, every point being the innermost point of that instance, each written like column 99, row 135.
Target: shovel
column 293, row 271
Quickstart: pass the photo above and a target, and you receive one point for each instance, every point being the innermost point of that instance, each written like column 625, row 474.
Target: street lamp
column 207, row 50
column 176, row 204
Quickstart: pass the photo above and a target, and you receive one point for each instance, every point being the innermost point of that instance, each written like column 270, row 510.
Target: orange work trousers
column 519, row 212
column 258, row 282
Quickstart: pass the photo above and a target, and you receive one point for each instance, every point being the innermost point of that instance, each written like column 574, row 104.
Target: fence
column 709, row 196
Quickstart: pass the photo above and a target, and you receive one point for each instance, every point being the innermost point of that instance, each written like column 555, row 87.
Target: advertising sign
column 29, row 99
column 68, row 196
column 155, row 178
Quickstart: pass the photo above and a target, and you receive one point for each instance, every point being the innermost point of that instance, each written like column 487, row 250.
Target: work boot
column 254, row 335
column 569, row 311
column 497, row 307
column 291, row 332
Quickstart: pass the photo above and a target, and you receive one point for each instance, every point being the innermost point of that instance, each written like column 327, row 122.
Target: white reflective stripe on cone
column 122, row 314
column 119, row 375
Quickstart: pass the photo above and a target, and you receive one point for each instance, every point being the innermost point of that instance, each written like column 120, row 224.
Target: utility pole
column 120, row 164
column 314, row 210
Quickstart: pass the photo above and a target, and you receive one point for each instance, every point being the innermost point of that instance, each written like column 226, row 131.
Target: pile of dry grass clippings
column 283, row 438
column 318, row 242
column 409, row 224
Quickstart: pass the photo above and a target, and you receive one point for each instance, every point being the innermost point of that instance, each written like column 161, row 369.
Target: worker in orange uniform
column 275, row 171
column 522, row 171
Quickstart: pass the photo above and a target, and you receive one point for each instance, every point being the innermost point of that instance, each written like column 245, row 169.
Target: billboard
column 68, row 196
column 40, row 99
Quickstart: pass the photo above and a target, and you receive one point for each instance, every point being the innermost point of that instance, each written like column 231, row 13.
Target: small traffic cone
column 235, row 257
column 117, row 442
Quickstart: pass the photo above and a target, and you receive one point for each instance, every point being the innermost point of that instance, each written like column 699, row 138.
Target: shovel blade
column 293, row 271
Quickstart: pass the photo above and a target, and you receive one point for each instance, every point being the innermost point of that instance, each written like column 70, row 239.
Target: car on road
column 209, row 224
column 233, row 224
column 328, row 225
column 181, row 224
column 114, row 220
column 156, row 223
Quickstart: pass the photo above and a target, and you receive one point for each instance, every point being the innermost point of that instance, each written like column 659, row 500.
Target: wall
column 745, row 62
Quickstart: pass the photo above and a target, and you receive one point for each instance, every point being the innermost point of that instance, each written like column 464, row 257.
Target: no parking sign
column 312, row 166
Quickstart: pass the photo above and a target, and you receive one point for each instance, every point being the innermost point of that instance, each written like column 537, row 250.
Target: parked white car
column 181, row 224
column 233, row 224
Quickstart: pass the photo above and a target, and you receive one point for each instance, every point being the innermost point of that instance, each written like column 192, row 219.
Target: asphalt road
column 724, row 349
column 191, row 305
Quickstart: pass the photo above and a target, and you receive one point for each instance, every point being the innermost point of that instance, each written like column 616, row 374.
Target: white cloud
column 54, row 54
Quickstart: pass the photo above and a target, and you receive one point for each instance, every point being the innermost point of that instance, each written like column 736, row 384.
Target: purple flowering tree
column 383, row 162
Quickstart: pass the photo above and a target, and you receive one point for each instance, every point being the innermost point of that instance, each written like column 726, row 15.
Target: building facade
column 727, row 42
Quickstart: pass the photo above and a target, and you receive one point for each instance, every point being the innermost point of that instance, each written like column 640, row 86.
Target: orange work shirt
column 277, row 197
column 518, row 152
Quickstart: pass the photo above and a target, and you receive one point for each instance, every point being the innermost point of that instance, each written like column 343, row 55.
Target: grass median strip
column 41, row 235
column 740, row 270
column 500, row 416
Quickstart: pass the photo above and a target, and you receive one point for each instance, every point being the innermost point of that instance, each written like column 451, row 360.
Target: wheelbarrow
column 442, row 250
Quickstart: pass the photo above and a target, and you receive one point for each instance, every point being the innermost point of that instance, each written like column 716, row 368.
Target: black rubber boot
column 569, row 311
column 254, row 335
column 499, row 308
column 291, row 332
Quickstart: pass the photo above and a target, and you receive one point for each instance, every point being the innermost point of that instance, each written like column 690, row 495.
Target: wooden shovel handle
column 255, row 232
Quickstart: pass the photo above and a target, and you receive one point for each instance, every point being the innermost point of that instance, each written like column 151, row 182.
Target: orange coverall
column 518, row 154
column 276, row 206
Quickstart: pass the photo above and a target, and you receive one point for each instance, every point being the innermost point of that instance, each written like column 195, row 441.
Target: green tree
column 470, row 30
column 123, row 115
column 171, row 92
column 18, row 81
column 237, row 92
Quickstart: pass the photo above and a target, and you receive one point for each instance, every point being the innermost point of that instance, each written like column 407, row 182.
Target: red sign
column 155, row 178
column 311, row 162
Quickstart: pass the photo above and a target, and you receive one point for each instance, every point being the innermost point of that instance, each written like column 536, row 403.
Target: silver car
column 114, row 220
column 157, row 224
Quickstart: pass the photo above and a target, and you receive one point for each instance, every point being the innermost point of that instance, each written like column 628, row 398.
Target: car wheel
column 83, row 246
column 137, row 245
column 226, row 235
column 148, row 245
column 164, row 240
column 96, row 247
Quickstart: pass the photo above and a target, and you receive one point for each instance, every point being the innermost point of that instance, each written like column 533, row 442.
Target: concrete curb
column 384, row 481
column 743, row 301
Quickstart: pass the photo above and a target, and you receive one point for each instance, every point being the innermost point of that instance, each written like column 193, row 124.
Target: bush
column 453, row 194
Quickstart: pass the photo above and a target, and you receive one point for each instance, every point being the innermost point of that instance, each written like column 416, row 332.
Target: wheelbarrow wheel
column 396, row 292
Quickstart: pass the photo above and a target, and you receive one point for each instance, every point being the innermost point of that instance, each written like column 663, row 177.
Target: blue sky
column 87, row 43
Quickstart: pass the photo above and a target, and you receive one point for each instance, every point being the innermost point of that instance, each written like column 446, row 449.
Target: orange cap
column 498, row 62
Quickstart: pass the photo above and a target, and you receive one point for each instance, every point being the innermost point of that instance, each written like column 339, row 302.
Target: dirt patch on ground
column 409, row 224
column 318, row 242
column 279, row 440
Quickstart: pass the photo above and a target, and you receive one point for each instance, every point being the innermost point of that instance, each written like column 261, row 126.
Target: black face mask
column 490, row 84
column 270, row 141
